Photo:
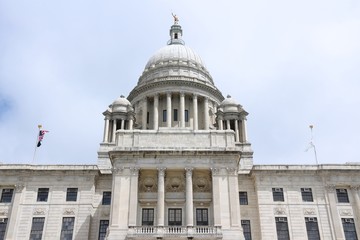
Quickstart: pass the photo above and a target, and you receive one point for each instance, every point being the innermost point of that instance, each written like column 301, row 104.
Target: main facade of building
column 175, row 163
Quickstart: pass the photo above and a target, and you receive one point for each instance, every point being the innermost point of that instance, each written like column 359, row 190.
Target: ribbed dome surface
column 175, row 52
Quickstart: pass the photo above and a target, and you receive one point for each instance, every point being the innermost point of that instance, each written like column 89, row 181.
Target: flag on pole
column 41, row 136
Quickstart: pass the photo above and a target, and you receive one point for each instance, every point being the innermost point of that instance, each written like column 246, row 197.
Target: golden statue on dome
column 176, row 19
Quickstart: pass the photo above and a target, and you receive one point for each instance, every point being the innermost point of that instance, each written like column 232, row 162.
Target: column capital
column 161, row 171
column 195, row 96
column 215, row 171
column 182, row 94
column 168, row 94
column 19, row 187
column 231, row 171
column 189, row 171
column 134, row 171
column 117, row 170
column 355, row 187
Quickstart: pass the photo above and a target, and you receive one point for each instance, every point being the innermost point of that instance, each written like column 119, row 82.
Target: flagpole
column 312, row 143
column 37, row 139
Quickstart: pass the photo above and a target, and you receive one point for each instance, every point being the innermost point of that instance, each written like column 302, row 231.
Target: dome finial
column 176, row 19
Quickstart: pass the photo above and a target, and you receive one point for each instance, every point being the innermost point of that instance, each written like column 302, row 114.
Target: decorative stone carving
column 232, row 171
column 147, row 184
column 330, row 188
column 345, row 212
column 69, row 211
column 4, row 212
column 39, row 211
column 309, row 211
column 105, row 214
column 215, row 171
column 134, row 171
column 202, row 183
column 355, row 187
column 175, row 184
column 117, row 170
column 279, row 211
column 19, row 187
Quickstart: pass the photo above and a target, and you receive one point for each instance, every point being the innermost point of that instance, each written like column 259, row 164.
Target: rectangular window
column 3, row 224
column 349, row 228
column 312, row 228
column 6, row 195
column 106, row 200
column 104, row 224
column 147, row 117
column 306, row 194
column 175, row 115
column 147, row 217
column 186, row 115
column 71, row 194
column 278, row 194
column 164, row 115
column 246, row 229
column 282, row 229
column 342, row 195
column 202, row 217
column 175, row 217
column 67, row 228
column 243, row 198
column 37, row 227
column 43, row 194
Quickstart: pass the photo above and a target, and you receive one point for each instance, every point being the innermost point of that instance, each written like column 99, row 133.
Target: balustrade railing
column 156, row 231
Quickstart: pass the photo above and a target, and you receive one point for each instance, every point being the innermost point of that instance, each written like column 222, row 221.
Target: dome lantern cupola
column 176, row 33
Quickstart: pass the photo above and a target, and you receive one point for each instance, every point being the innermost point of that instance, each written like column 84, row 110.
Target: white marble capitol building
column 175, row 163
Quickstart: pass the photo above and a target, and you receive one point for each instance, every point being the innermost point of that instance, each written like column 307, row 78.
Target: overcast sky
column 288, row 63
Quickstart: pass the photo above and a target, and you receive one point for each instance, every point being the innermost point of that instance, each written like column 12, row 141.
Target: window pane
column 164, row 115
column 282, row 228
column 104, row 224
column 175, row 114
column 37, row 228
column 349, row 228
column 278, row 194
column 71, row 194
column 3, row 224
column 6, row 195
column 106, row 198
column 186, row 115
column 312, row 228
column 43, row 194
column 342, row 195
column 243, row 198
column 67, row 228
column 202, row 217
column 175, row 217
column 246, row 229
column 147, row 216
column 306, row 194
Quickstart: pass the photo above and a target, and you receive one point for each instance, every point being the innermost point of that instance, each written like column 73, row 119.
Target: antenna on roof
column 311, row 144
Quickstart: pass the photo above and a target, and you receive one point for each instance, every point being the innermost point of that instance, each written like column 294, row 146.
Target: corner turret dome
column 121, row 104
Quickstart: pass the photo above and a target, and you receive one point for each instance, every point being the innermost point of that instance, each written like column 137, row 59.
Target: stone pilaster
column 335, row 220
column 106, row 130
column 133, row 196
column 189, row 198
column 161, row 197
column 14, row 212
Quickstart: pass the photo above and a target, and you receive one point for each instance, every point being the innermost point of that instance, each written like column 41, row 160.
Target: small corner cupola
column 176, row 32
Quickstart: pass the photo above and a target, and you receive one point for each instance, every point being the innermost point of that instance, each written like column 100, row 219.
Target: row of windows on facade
column 306, row 194
column 43, row 194
column 312, row 228
column 67, row 228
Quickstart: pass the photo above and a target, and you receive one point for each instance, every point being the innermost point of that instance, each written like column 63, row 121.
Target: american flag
column 41, row 136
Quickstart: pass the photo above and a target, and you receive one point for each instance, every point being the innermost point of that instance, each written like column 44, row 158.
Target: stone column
column 234, row 197
column 244, row 134
column 115, row 196
column 195, row 113
column 168, row 110
column 356, row 206
column 216, row 195
column 131, row 123
column 237, row 131
column 13, row 217
column 133, row 196
column 334, row 216
column 122, row 124
column 182, row 110
column 161, row 197
column 206, row 113
column 144, row 114
column 189, row 198
column 106, row 130
column 113, row 131
column 156, row 111
column 228, row 124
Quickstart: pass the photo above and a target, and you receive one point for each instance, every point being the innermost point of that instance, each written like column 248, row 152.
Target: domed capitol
column 175, row 163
